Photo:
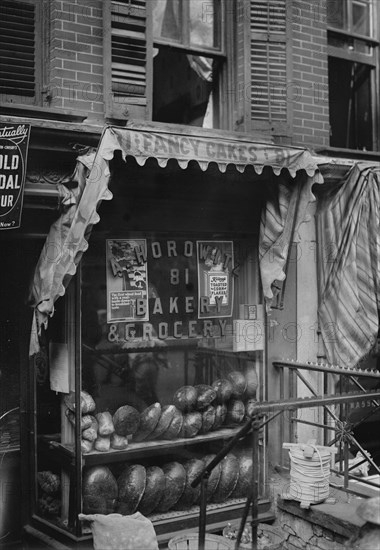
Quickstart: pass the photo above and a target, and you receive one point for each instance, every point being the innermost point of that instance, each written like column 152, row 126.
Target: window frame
column 347, row 25
column 234, row 110
column 41, row 31
column 371, row 59
column 185, row 44
column 223, row 105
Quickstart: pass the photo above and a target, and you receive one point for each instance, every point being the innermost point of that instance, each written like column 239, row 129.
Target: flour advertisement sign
column 14, row 141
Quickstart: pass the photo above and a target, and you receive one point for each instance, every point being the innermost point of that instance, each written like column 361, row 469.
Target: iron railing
column 265, row 412
column 338, row 421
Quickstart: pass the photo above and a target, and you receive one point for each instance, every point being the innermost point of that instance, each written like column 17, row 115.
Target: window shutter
column 17, row 50
column 127, row 59
column 269, row 65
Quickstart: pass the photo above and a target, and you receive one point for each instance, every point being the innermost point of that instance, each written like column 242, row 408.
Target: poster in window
column 14, row 141
column 127, row 280
column 215, row 279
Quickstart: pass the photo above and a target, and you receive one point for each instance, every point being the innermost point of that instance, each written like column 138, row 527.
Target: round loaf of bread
column 175, row 482
column 228, row 479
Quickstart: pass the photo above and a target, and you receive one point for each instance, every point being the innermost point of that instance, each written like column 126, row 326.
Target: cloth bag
column 117, row 532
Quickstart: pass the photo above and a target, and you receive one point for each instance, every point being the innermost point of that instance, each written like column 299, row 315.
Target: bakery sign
column 168, row 289
column 185, row 148
column 14, row 141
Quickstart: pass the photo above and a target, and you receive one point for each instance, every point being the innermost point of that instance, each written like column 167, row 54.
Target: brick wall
column 310, row 74
column 299, row 534
column 76, row 56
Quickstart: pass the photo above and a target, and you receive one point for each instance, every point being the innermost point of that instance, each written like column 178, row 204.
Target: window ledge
column 49, row 113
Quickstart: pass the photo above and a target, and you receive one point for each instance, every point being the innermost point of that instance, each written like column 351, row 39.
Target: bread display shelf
column 139, row 449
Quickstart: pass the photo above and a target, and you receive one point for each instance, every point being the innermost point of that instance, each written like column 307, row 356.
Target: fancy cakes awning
column 164, row 142
column 68, row 236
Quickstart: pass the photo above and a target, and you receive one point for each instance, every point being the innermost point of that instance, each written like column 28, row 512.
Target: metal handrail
column 343, row 429
column 255, row 424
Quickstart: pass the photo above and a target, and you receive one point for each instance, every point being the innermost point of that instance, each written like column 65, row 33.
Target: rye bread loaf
column 175, row 482
column 175, row 427
column 167, row 415
column 244, row 482
column 126, row 420
column 192, row 423
column 131, row 484
column 148, row 421
column 100, row 491
column 190, row 495
column 208, row 419
column 154, row 489
column 205, row 396
column 185, row 398
column 228, row 478
column 214, row 477
column 223, row 390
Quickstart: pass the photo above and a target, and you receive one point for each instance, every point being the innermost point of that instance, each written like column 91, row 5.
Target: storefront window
column 168, row 321
column 154, row 308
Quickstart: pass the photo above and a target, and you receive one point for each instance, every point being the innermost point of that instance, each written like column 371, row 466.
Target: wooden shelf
column 141, row 449
column 186, row 345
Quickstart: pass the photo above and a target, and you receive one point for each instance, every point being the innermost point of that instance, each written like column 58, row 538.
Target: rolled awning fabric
column 348, row 244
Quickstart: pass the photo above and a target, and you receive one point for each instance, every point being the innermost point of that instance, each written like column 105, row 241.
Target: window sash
column 347, row 27
column 184, row 42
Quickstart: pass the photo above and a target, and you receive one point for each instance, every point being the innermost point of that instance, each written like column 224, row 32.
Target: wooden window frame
column 348, row 29
column 184, row 42
column 141, row 107
column 371, row 59
column 223, row 105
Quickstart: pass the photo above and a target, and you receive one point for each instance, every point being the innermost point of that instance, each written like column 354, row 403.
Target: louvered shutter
column 128, row 59
column 17, row 50
column 269, row 65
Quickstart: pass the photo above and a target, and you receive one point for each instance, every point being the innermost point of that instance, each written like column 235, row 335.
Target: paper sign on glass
column 127, row 280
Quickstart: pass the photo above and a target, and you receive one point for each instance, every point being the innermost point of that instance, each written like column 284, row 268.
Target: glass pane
column 204, row 23
column 350, row 104
column 360, row 18
column 161, row 362
column 167, row 19
column 337, row 14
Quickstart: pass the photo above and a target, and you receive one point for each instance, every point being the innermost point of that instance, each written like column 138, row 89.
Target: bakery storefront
column 149, row 300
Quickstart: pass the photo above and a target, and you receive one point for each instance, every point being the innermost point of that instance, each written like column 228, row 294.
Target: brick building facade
column 273, row 70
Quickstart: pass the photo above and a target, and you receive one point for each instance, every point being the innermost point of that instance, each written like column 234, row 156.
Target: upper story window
column 353, row 16
column 353, row 46
column 188, row 23
column 170, row 60
column 188, row 61
column 21, row 70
